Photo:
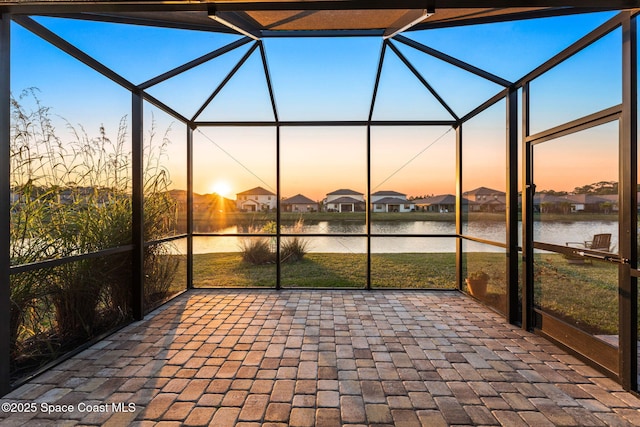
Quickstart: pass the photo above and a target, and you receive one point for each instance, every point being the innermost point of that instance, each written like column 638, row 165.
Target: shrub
column 160, row 267
column 257, row 251
column 262, row 250
column 293, row 249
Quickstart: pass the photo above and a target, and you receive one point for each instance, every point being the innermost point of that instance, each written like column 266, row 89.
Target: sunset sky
column 332, row 79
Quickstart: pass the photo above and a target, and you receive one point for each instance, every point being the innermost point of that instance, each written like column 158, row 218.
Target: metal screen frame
column 525, row 316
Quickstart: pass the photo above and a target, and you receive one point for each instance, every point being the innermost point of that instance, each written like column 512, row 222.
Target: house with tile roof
column 442, row 203
column 483, row 199
column 390, row 201
column 299, row 203
column 344, row 200
column 587, row 202
column 255, row 200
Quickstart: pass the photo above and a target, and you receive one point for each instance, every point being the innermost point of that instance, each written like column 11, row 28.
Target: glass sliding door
column 576, row 241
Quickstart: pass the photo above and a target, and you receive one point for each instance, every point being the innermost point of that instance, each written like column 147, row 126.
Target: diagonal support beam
column 192, row 64
column 70, row 49
column 453, row 61
column 423, row 81
column 267, row 76
column 377, row 82
column 225, row 81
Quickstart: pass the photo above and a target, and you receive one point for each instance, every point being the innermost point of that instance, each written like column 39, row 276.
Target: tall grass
column 262, row 250
column 294, row 248
column 72, row 197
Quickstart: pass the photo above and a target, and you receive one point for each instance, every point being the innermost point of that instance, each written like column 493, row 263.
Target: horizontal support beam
column 583, row 123
column 117, row 12
column 50, row 263
column 578, row 342
column 61, row 261
column 474, row 19
column 117, row 18
column 484, row 241
column 320, row 123
column 165, row 240
column 320, row 33
column 577, row 251
column 341, row 235
column 257, row 5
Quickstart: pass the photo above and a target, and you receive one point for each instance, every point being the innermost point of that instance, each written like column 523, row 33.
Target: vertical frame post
column 137, row 158
column 459, row 204
column 278, row 213
column 527, row 216
column 272, row 98
column 512, row 311
column 628, row 158
column 368, row 207
column 5, row 197
column 189, row 207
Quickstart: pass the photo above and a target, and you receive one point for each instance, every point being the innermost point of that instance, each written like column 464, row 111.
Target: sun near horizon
column 222, row 188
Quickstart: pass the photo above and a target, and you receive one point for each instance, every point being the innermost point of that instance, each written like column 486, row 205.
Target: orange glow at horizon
column 222, row 188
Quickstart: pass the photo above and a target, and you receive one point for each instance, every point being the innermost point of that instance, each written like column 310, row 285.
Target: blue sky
column 317, row 79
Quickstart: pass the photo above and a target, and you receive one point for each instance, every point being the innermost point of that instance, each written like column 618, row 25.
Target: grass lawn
column 329, row 270
column 585, row 295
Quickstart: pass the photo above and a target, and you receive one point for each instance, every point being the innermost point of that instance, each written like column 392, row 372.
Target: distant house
column 299, row 203
column 484, row 199
column 611, row 204
column 255, row 200
column 344, row 200
column 442, row 203
column 587, row 202
column 573, row 203
column 390, row 201
column 548, row 203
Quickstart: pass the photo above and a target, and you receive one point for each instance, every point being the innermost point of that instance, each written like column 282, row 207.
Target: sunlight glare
column 221, row 188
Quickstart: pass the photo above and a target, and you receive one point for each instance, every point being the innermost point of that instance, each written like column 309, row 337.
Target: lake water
column 548, row 232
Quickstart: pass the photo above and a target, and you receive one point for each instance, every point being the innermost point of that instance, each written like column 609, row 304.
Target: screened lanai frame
column 626, row 113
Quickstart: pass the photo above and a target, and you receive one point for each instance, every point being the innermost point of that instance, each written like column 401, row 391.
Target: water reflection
column 544, row 231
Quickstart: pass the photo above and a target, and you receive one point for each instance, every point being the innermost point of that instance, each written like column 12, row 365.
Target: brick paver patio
column 326, row 358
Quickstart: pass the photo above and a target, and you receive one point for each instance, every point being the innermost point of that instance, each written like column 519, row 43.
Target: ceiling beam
column 65, row 6
column 259, row 5
column 234, row 22
column 408, row 20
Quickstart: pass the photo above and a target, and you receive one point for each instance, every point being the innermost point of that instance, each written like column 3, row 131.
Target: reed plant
column 294, row 248
column 73, row 197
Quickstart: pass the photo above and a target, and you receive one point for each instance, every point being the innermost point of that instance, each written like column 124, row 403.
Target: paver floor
column 325, row 358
